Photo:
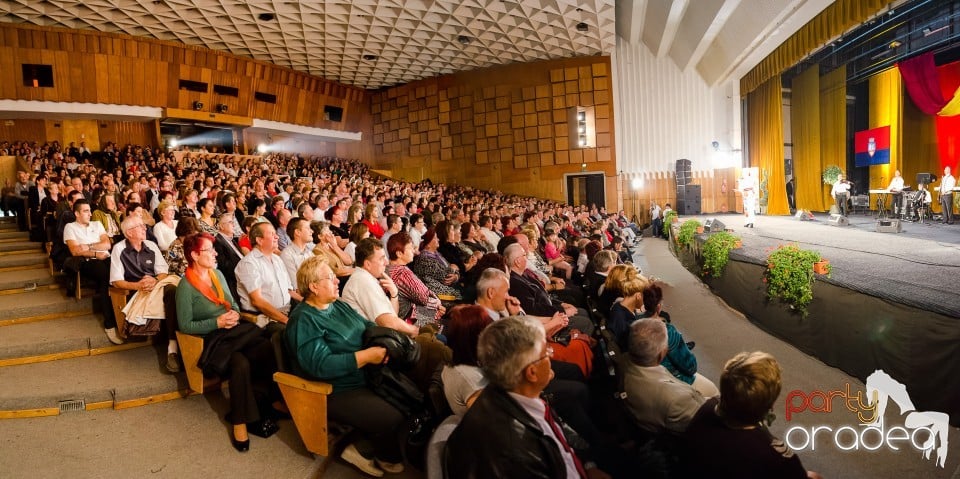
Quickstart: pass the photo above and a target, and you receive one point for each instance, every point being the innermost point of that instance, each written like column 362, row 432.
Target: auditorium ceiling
column 378, row 43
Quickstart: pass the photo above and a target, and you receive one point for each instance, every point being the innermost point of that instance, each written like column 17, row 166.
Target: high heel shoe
column 242, row 446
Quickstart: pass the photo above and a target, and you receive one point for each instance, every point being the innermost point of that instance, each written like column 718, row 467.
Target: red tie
column 557, row 431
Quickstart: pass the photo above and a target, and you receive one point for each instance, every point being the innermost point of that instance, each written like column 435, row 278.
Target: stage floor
column 919, row 267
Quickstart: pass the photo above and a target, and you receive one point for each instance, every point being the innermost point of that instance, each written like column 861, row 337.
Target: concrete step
column 43, row 302
column 7, row 235
column 11, row 247
column 25, row 280
column 116, row 377
column 23, row 261
column 54, row 339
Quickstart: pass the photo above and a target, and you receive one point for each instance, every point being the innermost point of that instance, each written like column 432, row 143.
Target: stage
column 891, row 301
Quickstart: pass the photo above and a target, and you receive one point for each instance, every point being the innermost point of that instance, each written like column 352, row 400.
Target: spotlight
column 464, row 39
column 582, row 27
column 222, row 108
column 265, row 17
column 262, row 148
column 636, row 183
column 173, row 142
column 198, row 105
column 368, row 57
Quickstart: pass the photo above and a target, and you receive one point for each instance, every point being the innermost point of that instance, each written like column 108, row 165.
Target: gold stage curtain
column 833, row 126
column 805, row 125
column 833, row 21
column 765, row 127
column 886, row 108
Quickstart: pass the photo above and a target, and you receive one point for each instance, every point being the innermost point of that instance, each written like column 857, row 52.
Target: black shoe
column 263, row 428
column 242, row 446
column 691, row 345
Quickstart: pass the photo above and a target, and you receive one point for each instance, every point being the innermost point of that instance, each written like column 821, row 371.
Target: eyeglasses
column 547, row 353
column 137, row 226
column 204, row 250
column 331, row 278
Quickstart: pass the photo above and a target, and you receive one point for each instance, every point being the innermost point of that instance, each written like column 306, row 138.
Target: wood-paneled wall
column 96, row 67
column 717, row 193
column 94, row 132
column 503, row 128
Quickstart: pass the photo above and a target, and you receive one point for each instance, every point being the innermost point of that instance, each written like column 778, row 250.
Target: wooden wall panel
column 503, row 128
column 96, row 67
column 22, row 130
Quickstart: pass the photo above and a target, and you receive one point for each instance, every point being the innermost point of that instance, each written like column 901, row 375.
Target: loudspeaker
column 688, row 199
column 683, row 172
column 713, row 225
column 926, row 178
column 804, row 215
column 837, row 220
column 888, row 226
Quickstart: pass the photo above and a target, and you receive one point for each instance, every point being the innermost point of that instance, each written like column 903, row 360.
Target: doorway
column 586, row 189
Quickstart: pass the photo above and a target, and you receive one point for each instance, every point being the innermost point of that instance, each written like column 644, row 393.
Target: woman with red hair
column 206, row 307
column 462, row 378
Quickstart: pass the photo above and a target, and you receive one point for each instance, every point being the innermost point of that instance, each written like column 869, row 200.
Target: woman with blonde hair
column 613, row 286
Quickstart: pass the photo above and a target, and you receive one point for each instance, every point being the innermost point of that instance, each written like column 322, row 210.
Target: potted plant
column 789, row 276
column 831, row 174
column 716, row 252
column 687, row 230
column 669, row 218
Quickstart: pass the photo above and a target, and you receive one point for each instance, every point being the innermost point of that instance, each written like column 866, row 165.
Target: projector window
column 37, row 76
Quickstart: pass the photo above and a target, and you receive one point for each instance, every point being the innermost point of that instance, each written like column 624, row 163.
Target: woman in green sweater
column 205, row 305
column 325, row 337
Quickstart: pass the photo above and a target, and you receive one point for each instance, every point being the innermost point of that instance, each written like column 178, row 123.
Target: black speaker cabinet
column 683, row 172
column 688, row 200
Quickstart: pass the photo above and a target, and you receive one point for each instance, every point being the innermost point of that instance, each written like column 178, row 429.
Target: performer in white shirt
column 896, row 189
column 841, row 193
column 749, row 187
column 947, row 183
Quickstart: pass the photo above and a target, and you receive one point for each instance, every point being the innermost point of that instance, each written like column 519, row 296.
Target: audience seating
column 118, row 297
column 191, row 347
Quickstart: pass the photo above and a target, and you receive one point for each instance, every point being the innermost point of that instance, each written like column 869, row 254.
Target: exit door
column 586, row 189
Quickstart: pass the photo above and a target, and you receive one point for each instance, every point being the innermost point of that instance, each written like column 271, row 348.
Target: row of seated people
column 513, row 261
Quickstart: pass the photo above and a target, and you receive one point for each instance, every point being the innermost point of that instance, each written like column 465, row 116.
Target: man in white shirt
column 263, row 283
column 896, row 190
column 300, row 247
column 90, row 248
column 491, row 237
column 947, row 183
column 371, row 292
column 656, row 219
column 841, row 194
column 748, row 188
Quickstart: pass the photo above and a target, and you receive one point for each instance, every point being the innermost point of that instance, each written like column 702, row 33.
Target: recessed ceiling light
column 464, row 39
column 265, row 17
column 369, row 57
column 582, row 27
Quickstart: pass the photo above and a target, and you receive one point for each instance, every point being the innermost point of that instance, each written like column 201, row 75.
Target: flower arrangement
column 789, row 276
column 687, row 230
column 716, row 252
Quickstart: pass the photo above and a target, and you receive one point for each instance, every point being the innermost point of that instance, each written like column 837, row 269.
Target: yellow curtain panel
column 886, row 108
column 805, row 125
column 833, row 125
column 765, row 124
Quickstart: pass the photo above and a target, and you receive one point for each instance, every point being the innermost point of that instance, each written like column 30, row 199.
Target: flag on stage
column 872, row 147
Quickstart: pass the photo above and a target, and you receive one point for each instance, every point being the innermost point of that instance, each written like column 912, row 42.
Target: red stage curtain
column 920, row 79
column 948, row 127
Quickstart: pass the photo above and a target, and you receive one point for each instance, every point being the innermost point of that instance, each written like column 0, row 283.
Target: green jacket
column 322, row 344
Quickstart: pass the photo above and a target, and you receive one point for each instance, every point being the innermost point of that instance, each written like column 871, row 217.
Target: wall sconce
column 198, row 105
column 582, row 124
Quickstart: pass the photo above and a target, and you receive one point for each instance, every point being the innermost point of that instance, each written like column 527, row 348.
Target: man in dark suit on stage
column 228, row 254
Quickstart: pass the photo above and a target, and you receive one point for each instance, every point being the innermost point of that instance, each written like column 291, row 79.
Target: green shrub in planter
column 716, row 252
column 789, row 276
column 687, row 230
column 668, row 220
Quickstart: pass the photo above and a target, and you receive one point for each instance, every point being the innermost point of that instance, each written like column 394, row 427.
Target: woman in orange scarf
column 205, row 307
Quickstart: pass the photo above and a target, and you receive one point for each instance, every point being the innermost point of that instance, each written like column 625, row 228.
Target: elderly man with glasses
column 515, row 358
column 136, row 264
